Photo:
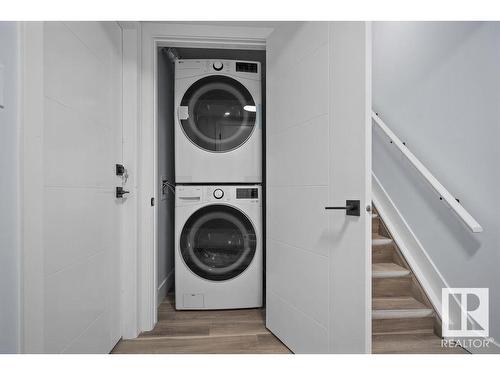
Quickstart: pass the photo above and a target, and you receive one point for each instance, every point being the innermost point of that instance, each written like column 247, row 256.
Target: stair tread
column 411, row 344
column 380, row 270
column 378, row 239
column 398, row 308
column 397, row 303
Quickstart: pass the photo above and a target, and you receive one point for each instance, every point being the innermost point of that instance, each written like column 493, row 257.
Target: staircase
column 403, row 319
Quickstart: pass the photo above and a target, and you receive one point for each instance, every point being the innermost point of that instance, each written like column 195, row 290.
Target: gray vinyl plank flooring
column 205, row 332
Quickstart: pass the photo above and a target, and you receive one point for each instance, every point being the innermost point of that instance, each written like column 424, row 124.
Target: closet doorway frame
column 141, row 41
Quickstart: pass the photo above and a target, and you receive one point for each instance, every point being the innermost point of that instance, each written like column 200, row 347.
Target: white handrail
column 445, row 194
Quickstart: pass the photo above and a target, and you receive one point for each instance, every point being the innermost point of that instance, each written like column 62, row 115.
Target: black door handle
column 120, row 192
column 351, row 208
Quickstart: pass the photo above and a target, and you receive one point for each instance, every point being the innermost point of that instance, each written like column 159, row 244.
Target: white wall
column 436, row 85
column 9, row 191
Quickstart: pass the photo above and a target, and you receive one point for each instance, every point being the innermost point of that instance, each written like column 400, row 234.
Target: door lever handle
column 351, row 208
column 120, row 192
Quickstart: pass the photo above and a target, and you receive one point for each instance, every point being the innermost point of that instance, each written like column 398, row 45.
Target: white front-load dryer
column 218, row 121
column 218, row 247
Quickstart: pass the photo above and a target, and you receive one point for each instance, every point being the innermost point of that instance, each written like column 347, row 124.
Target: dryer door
column 217, row 113
column 218, row 242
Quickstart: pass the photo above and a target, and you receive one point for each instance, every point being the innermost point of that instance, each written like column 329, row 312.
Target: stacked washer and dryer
column 218, row 196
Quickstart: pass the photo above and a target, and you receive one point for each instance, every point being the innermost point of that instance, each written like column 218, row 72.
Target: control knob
column 218, row 193
column 218, row 65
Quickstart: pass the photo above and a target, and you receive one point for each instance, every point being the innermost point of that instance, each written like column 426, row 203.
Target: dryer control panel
column 239, row 68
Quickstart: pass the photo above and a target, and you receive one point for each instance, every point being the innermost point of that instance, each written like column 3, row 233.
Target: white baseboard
column 421, row 264
column 164, row 287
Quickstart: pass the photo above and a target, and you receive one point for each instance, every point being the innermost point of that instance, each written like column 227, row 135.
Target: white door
column 72, row 218
column 318, row 290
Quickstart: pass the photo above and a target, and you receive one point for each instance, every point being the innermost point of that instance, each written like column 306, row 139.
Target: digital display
column 247, row 193
column 246, row 67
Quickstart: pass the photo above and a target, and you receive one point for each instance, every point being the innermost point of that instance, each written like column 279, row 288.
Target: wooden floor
column 244, row 332
column 209, row 332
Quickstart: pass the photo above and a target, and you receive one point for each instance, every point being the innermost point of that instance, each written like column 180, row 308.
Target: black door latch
column 120, row 192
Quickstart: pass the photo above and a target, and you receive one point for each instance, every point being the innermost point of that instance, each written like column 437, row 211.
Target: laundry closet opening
column 210, row 228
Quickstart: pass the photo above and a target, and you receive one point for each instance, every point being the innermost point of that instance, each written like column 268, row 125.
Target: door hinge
column 152, row 202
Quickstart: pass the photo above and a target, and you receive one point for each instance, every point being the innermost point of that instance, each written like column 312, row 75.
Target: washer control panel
column 198, row 194
column 237, row 194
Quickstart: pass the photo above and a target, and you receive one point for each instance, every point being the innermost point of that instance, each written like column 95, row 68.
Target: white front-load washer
column 218, row 121
column 218, row 247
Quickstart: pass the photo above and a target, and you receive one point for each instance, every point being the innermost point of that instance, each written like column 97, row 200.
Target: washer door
column 219, row 113
column 218, row 242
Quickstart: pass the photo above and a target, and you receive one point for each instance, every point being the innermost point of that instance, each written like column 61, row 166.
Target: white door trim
column 131, row 112
column 152, row 35
column 31, row 185
column 368, row 182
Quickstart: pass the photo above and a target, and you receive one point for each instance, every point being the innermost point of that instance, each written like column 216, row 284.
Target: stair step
column 379, row 240
column 380, row 270
column 411, row 344
column 395, row 310
column 382, row 249
column 382, row 255
column 399, row 308
column 401, row 326
column 392, row 287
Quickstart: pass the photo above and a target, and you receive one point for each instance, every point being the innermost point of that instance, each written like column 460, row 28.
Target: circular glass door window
column 220, row 113
column 218, row 242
